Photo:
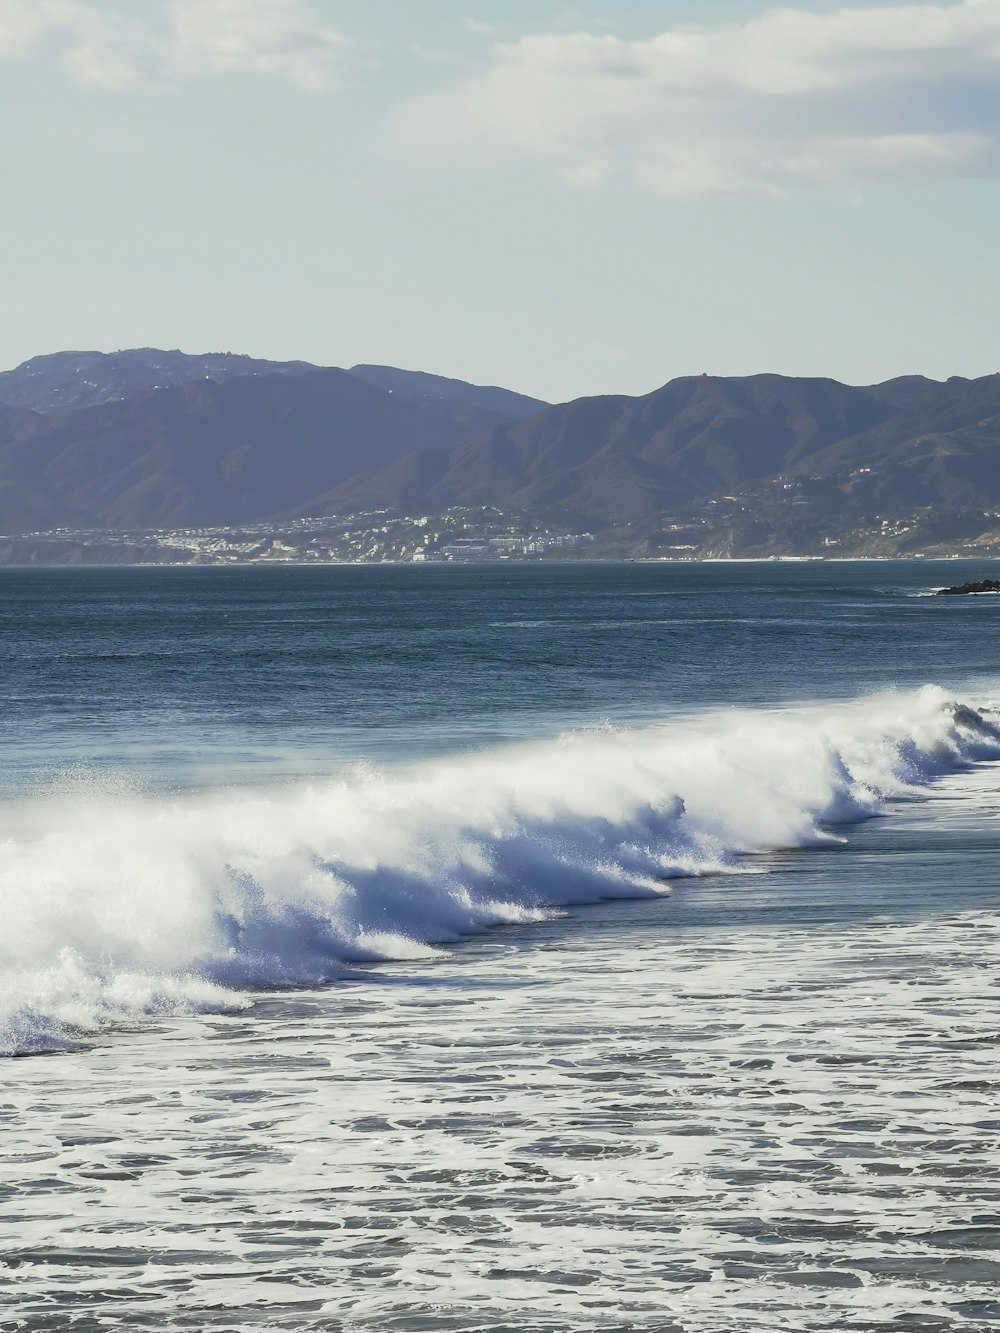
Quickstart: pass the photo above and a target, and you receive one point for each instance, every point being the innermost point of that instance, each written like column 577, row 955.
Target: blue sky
column 564, row 198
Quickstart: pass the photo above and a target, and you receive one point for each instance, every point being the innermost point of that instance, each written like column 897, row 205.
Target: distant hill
column 205, row 453
column 65, row 381
column 618, row 459
column 153, row 438
column 767, row 462
column 469, row 404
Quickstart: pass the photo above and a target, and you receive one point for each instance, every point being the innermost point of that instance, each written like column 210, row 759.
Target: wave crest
column 118, row 907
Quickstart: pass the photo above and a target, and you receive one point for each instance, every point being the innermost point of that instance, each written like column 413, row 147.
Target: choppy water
column 255, row 825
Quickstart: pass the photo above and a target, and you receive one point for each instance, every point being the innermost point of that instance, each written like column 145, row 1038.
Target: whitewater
column 119, row 905
column 471, row 950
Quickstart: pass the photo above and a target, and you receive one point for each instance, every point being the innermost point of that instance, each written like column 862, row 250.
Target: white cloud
column 161, row 43
column 21, row 24
column 909, row 92
column 95, row 45
column 263, row 36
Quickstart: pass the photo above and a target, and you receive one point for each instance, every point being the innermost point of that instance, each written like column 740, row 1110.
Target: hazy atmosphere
column 566, row 199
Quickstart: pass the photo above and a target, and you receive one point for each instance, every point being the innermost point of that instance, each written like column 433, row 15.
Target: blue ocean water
column 221, row 675
column 539, row 947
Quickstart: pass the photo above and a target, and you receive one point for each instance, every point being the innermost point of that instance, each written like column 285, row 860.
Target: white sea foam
column 117, row 906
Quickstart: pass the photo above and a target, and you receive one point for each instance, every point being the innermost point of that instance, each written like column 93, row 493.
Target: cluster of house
column 499, row 548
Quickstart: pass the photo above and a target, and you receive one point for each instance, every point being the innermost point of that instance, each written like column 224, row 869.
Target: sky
column 563, row 198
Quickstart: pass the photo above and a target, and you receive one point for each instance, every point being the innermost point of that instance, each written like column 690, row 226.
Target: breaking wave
column 116, row 906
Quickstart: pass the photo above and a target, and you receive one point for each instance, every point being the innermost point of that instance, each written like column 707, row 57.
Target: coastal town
column 778, row 519
column 460, row 535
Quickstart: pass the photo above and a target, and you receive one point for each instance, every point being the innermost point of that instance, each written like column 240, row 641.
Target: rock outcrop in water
column 964, row 589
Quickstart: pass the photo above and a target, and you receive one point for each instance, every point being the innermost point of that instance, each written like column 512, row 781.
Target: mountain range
column 152, row 439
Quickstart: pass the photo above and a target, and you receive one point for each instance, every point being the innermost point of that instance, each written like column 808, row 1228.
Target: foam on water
column 612, row 1126
column 117, row 906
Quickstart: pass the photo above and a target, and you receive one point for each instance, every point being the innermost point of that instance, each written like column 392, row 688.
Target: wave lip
column 119, row 907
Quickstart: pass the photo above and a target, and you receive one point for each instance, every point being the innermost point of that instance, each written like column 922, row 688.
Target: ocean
column 511, row 947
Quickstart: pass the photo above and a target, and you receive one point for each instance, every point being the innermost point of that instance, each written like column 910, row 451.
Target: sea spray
column 117, row 906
